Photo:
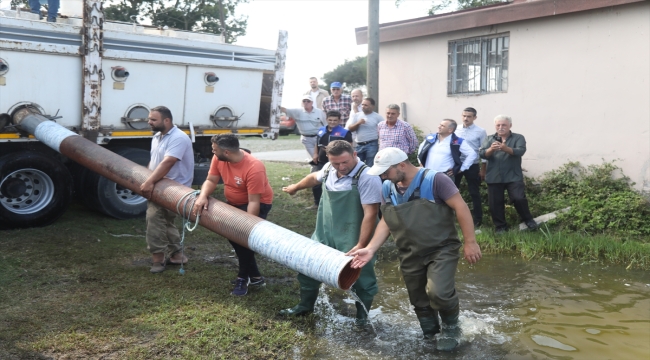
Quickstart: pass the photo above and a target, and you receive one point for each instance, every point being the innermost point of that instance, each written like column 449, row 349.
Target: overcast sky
column 321, row 33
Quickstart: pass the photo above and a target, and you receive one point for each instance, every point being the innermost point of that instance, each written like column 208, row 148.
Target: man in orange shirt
column 246, row 188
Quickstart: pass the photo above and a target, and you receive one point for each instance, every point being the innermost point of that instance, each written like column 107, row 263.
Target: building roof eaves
column 483, row 16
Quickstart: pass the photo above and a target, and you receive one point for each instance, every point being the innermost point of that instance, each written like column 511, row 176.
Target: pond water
column 510, row 309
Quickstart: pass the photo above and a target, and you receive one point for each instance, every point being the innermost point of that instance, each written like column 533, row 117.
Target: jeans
column 247, row 264
column 52, row 7
column 496, row 202
column 473, row 182
column 368, row 151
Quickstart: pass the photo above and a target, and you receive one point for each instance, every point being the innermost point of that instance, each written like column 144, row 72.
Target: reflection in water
column 510, row 309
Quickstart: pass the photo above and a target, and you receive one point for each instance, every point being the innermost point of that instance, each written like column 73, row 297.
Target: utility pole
column 372, row 81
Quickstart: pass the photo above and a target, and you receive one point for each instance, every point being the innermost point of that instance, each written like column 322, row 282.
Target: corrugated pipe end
column 348, row 276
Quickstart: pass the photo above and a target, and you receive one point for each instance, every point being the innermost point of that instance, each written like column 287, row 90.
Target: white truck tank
column 102, row 84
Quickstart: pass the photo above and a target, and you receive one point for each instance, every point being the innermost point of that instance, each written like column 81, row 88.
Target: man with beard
column 171, row 157
column 316, row 94
column 247, row 188
column 419, row 211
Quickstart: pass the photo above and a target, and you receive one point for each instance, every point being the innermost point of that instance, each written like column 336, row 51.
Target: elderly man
column 309, row 120
column 338, row 102
column 442, row 152
column 395, row 132
column 346, row 219
column 317, row 94
column 364, row 125
column 419, row 211
column 474, row 136
column 357, row 98
column 504, row 150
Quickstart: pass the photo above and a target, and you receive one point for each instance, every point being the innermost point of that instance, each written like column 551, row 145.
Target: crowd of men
column 365, row 189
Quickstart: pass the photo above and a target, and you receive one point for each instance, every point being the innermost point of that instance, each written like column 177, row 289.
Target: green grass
column 73, row 290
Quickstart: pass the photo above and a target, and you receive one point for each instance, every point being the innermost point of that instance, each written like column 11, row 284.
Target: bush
column 601, row 198
column 413, row 157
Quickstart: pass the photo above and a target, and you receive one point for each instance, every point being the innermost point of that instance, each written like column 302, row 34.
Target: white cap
column 386, row 158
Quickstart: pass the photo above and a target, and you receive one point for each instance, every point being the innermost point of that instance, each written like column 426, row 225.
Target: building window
column 478, row 65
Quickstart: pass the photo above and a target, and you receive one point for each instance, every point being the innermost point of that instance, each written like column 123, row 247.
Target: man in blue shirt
column 419, row 211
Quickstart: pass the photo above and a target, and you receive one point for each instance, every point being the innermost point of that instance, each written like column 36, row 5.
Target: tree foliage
column 190, row 15
column 352, row 74
column 442, row 6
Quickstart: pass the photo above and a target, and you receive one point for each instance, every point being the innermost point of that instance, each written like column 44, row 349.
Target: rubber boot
column 361, row 319
column 308, row 298
column 449, row 339
column 428, row 322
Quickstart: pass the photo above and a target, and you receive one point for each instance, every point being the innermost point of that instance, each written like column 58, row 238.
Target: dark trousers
column 318, row 189
column 247, row 264
column 496, row 202
column 473, row 182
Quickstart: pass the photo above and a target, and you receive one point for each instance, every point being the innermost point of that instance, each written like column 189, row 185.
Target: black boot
column 362, row 316
column 449, row 339
column 308, row 298
column 428, row 322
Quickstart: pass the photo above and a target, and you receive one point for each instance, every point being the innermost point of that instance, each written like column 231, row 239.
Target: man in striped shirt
column 338, row 102
column 395, row 132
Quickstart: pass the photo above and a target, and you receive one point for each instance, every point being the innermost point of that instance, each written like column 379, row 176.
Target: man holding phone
column 504, row 150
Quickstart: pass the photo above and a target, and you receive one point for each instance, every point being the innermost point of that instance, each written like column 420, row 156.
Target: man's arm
column 254, row 201
column 470, row 156
column 201, row 202
column 308, row 181
column 363, row 256
column 471, row 249
column 158, row 173
column 485, row 151
column 518, row 146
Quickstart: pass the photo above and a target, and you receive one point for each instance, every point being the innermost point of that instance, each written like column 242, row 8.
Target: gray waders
column 338, row 225
column 428, row 245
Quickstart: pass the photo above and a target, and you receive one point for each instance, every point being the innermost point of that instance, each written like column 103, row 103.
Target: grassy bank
column 81, row 288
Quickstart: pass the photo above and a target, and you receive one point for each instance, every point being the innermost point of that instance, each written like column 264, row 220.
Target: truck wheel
column 35, row 189
column 106, row 196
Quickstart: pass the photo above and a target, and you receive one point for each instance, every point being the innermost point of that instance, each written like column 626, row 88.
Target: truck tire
column 35, row 189
column 107, row 197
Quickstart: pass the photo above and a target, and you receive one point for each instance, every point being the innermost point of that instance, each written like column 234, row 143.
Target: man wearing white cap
column 419, row 212
column 309, row 120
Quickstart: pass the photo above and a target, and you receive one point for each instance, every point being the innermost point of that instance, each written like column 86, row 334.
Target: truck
column 100, row 79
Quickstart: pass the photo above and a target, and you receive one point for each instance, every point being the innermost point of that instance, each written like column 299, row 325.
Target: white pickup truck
column 100, row 79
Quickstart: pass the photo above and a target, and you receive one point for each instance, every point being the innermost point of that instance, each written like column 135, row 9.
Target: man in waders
column 419, row 213
column 347, row 216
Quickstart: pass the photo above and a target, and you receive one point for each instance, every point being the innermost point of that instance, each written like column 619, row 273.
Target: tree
column 190, row 15
column 352, row 74
column 441, row 6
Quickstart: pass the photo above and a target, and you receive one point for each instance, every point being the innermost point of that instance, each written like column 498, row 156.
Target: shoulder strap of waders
column 327, row 172
column 416, row 192
column 355, row 178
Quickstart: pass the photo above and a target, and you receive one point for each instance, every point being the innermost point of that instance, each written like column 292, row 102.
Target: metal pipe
column 295, row 251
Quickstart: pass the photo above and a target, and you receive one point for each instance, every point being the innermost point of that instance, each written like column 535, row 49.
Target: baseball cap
column 386, row 158
column 335, row 84
column 307, row 97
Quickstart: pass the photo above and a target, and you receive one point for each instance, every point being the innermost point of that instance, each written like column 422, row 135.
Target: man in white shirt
column 357, row 98
column 442, row 152
column 364, row 125
column 316, row 94
column 474, row 135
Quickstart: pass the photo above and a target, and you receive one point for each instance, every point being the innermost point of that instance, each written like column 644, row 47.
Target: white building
column 573, row 74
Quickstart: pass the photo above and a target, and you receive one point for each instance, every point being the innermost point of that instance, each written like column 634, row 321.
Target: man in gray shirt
column 309, row 120
column 171, row 157
column 364, row 124
column 474, row 136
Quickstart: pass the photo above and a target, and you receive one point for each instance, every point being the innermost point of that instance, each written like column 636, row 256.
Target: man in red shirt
column 246, row 188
